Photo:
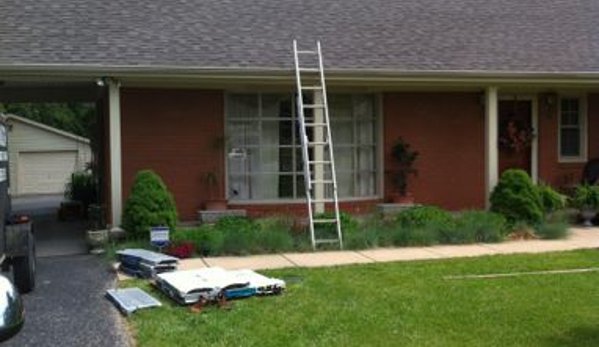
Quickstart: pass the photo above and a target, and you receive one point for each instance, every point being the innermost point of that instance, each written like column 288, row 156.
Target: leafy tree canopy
column 75, row 118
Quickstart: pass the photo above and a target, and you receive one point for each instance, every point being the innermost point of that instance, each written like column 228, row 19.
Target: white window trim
column 379, row 156
column 583, row 157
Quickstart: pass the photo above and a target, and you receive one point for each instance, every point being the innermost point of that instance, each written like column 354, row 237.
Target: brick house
column 448, row 77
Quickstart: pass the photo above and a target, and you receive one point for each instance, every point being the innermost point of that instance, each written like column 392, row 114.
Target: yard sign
column 159, row 237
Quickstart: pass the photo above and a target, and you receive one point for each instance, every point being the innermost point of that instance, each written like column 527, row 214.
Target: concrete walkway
column 579, row 239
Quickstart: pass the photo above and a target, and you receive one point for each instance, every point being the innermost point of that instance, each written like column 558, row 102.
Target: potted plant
column 587, row 202
column 405, row 158
column 211, row 179
column 211, row 183
column 97, row 236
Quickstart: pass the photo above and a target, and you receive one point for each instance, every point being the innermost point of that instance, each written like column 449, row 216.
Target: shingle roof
column 399, row 35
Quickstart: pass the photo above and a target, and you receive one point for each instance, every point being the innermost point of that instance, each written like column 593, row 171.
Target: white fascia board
column 125, row 72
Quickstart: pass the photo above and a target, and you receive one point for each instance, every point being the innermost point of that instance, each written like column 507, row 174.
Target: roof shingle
column 407, row 35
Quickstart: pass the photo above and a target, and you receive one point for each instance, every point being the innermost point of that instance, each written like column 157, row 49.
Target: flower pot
column 407, row 199
column 587, row 215
column 215, row 205
column 96, row 240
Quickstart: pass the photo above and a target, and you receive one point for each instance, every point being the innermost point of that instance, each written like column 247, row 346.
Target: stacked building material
column 145, row 264
column 210, row 284
column 129, row 300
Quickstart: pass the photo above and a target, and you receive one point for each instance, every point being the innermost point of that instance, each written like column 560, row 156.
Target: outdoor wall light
column 548, row 102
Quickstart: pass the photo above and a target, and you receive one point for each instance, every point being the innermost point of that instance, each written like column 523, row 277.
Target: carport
column 52, row 237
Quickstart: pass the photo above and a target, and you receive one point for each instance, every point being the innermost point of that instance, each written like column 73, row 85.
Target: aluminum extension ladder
column 317, row 147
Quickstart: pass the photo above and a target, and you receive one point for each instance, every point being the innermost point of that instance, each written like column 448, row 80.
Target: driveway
column 68, row 307
column 52, row 237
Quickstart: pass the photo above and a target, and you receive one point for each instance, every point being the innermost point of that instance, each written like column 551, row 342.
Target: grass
column 399, row 304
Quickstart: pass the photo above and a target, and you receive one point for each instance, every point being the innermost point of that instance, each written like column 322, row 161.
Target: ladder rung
column 327, row 241
column 307, row 52
column 309, row 69
column 314, row 106
column 315, row 124
column 312, row 88
column 324, row 221
column 315, row 201
column 318, row 162
column 323, row 181
column 313, row 144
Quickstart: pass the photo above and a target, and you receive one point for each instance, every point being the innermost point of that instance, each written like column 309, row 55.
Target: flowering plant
column 516, row 137
column 182, row 250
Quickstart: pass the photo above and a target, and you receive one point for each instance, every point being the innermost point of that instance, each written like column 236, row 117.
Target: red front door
column 515, row 135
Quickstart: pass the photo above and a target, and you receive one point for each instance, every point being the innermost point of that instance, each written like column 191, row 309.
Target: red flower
column 181, row 250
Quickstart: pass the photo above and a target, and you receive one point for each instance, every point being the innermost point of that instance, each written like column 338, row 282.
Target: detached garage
column 41, row 157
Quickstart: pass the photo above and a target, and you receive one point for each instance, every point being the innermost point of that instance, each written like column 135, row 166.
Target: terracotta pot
column 215, row 205
column 402, row 199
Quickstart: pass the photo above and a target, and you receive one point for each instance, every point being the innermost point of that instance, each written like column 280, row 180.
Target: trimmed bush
column 150, row 204
column 478, row 226
column 517, row 198
column 550, row 199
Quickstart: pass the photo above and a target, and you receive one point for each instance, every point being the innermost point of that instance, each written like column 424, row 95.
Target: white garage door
column 45, row 172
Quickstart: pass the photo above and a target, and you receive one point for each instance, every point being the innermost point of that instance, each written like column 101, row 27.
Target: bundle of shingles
column 211, row 284
column 145, row 264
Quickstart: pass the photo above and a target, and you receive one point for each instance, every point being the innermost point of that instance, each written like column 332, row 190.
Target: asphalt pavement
column 67, row 307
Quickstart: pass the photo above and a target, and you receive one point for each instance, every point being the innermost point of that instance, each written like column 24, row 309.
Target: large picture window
column 572, row 130
column 264, row 158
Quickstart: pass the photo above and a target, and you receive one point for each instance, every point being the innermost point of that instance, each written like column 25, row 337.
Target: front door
column 515, row 135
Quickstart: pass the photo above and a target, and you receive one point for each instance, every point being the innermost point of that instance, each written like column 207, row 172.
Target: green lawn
column 399, row 304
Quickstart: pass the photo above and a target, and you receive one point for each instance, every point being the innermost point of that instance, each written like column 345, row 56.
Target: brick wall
column 175, row 133
column 448, row 131
column 551, row 170
column 300, row 209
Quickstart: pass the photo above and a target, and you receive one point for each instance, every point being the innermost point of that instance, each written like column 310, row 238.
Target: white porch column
column 491, row 138
column 114, row 116
column 319, row 136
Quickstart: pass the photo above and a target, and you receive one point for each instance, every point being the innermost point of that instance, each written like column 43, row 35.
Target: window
column 572, row 131
column 264, row 154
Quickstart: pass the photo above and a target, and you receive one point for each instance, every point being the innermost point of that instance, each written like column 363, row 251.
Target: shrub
column 422, row 225
column 516, row 198
column 550, row 199
column 240, row 235
column 422, row 216
column 478, row 226
column 150, row 204
column 205, row 239
column 181, row 250
column 418, row 236
column 552, row 230
column 82, row 187
column 367, row 234
column 274, row 234
column 349, row 225
column 587, row 197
